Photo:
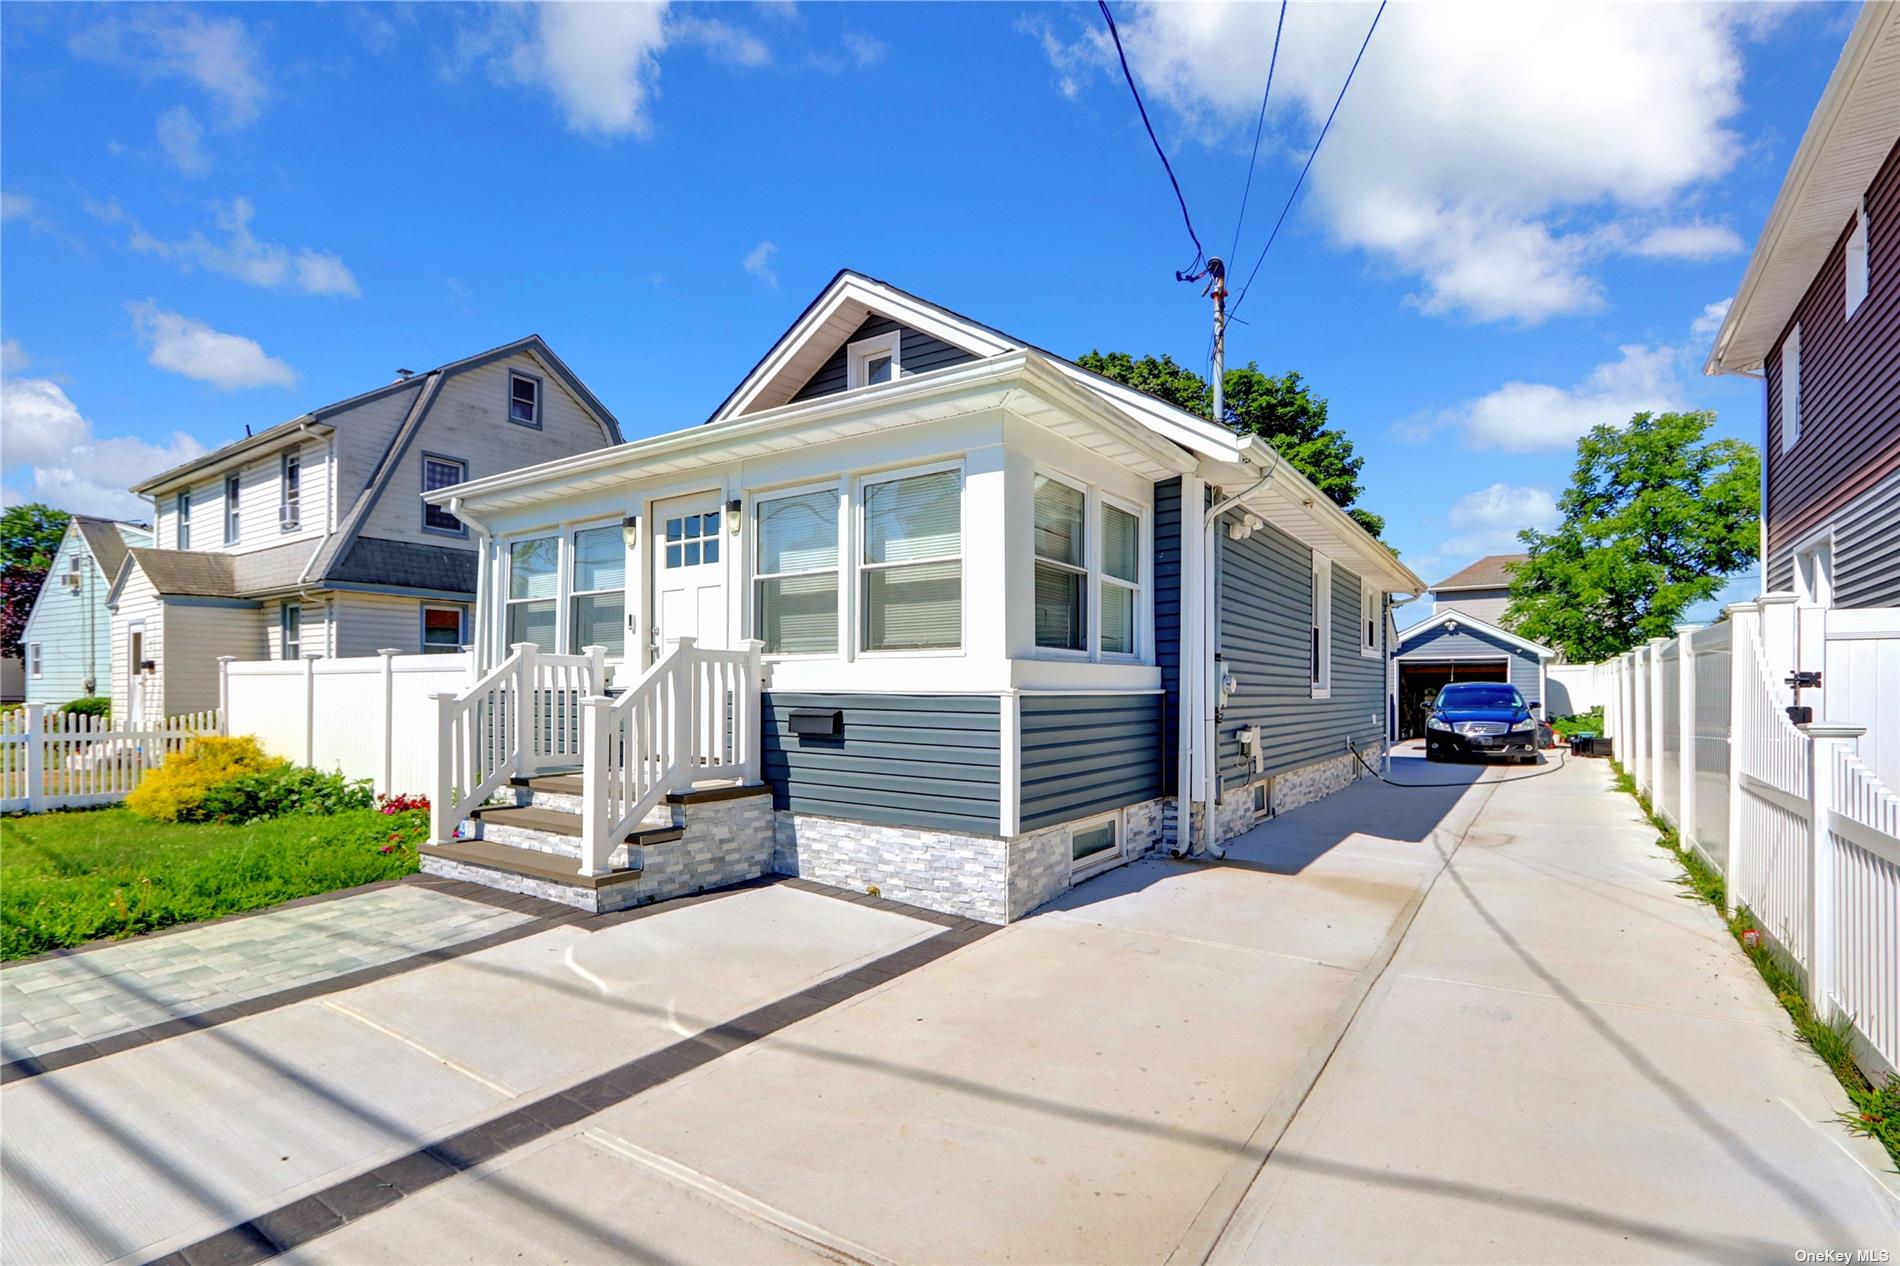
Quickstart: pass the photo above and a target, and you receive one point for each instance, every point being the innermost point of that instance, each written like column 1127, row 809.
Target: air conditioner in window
column 70, row 579
column 287, row 515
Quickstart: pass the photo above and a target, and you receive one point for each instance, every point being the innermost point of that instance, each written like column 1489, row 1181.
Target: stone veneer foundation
column 1286, row 791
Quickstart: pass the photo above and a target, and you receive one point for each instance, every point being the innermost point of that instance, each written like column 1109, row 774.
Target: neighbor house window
column 796, row 573
column 1791, row 389
column 1093, row 845
column 524, row 399
column 1120, row 582
column 290, row 490
column 1857, row 262
column 597, row 602
column 184, row 520
column 232, row 525
column 34, row 664
column 1368, row 620
column 290, row 629
column 911, row 576
column 1062, row 577
column 438, row 473
column 534, row 591
column 870, row 361
column 441, row 630
column 1322, row 662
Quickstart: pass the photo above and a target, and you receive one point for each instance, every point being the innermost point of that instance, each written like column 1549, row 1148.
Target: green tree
column 1283, row 411
column 29, row 537
column 1656, row 519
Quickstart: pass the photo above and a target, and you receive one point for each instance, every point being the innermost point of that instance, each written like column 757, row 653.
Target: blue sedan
column 1480, row 718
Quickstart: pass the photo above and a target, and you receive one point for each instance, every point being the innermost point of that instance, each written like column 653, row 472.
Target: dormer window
column 870, row 361
column 524, row 399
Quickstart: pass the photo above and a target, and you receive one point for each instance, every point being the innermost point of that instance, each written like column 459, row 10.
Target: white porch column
column 1824, row 744
column 527, row 762
column 751, row 718
column 1685, row 722
column 1745, row 618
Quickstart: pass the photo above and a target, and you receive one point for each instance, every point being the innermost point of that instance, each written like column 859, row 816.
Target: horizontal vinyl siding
column 1850, row 394
column 138, row 601
column 1485, row 605
column 1167, row 599
column 1084, row 754
column 260, row 492
column 1866, row 550
column 194, row 637
column 1470, row 644
column 1266, row 594
column 917, row 353
column 904, row 760
column 367, row 624
column 73, row 629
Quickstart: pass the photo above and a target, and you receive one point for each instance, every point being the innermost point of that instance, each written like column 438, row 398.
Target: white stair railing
column 693, row 715
column 521, row 717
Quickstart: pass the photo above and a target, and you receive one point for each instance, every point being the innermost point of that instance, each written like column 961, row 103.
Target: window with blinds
column 1062, row 575
column 597, row 603
column 1120, row 580
column 534, row 588
column 795, row 574
column 911, row 575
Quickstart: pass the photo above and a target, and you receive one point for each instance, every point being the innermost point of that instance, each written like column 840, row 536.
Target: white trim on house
column 1451, row 617
column 858, row 356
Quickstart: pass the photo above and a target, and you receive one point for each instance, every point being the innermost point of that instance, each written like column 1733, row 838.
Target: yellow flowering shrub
column 175, row 791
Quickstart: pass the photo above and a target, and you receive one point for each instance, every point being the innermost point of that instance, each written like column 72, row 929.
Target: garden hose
column 1539, row 773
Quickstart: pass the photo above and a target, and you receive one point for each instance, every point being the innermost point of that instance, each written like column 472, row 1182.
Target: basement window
column 1094, row 845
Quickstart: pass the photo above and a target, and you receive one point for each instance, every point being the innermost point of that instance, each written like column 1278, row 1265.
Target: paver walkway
column 54, row 1003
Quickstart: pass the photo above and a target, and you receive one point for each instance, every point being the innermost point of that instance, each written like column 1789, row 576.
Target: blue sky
column 1522, row 223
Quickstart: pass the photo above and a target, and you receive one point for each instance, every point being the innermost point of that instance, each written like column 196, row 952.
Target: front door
column 134, row 678
column 689, row 571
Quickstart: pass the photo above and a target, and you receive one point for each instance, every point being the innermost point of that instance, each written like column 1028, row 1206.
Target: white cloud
column 599, row 61
column 1521, row 417
column 13, row 357
column 1709, row 324
column 1689, row 241
column 758, row 262
column 1487, row 521
column 17, row 206
column 238, row 252
column 865, row 50
column 162, row 41
column 71, row 467
column 188, row 347
column 1495, row 152
column 181, row 136
column 733, row 45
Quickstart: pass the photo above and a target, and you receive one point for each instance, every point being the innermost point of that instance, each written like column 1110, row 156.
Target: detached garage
column 1453, row 646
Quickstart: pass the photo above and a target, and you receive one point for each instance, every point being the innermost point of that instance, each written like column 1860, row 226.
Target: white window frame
column 1791, row 388
column 540, row 398
column 233, row 509
column 1087, row 570
column 559, row 596
column 182, row 508
column 1081, row 868
column 570, row 555
column 284, row 621
column 841, row 569
column 1858, row 278
column 564, row 592
column 290, row 490
column 858, row 609
column 1101, row 502
column 1368, row 619
column 35, row 660
column 1321, row 670
column 1813, row 577
column 859, row 354
column 460, row 530
column 422, row 627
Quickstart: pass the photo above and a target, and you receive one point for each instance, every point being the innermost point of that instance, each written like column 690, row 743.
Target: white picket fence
column 68, row 760
column 1805, row 832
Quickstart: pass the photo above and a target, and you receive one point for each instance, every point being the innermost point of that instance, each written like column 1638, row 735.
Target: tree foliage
column 1283, row 411
column 1656, row 519
column 29, row 537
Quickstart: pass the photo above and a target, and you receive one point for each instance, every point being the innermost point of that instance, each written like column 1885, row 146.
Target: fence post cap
column 752, row 643
column 682, row 641
column 1737, row 608
column 388, row 652
column 1686, row 628
column 1659, row 641
column 1778, row 597
column 1829, row 730
column 227, row 659
column 597, row 701
column 523, row 646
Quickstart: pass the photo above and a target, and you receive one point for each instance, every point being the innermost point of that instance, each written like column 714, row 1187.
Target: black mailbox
column 817, row 721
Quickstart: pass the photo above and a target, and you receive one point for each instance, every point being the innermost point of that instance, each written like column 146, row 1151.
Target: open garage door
column 1421, row 680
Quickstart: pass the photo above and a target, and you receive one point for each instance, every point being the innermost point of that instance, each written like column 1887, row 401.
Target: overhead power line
column 1310, row 157
column 1258, row 126
column 1194, row 271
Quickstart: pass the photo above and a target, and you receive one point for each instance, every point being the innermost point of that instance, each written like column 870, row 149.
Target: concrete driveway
column 1474, row 1022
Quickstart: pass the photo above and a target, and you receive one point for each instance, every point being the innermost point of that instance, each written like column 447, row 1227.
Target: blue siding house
column 67, row 645
column 1453, row 645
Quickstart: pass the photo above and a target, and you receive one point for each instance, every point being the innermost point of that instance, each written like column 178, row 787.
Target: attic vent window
column 870, row 361
column 524, row 399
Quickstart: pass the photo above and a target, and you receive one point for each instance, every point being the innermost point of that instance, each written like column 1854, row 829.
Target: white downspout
column 484, row 588
column 1187, row 689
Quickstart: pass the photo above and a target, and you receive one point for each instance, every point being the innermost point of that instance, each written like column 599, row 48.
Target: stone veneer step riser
column 662, row 815
column 548, row 842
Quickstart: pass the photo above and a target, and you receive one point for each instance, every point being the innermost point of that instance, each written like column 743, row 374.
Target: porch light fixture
column 734, row 516
column 630, row 530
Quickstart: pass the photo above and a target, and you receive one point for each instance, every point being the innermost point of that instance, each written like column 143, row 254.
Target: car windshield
column 1480, row 694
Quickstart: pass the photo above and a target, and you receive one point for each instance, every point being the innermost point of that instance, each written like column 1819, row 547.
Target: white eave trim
column 1460, row 618
column 236, row 453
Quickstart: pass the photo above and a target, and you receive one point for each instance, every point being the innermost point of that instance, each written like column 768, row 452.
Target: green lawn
column 68, row 878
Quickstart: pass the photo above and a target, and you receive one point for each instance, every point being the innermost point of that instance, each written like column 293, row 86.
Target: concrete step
column 565, row 825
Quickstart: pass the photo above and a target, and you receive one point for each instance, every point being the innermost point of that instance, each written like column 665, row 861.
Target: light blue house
column 67, row 645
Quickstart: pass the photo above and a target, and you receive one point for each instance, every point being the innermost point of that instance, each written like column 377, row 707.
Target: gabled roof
column 107, row 540
column 317, row 420
column 1445, row 619
column 1850, row 135
column 1493, row 571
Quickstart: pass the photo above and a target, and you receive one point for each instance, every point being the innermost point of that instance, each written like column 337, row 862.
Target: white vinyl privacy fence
column 369, row 717
column 68, row 760
column 1790, row 810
